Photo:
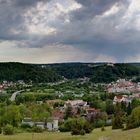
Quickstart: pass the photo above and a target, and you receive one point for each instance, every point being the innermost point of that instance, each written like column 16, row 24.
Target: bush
column 75, row 131
column 29, row 129
column 134, row 119
column 82, row 132
column 0, row 130
column 76, row 126
column 8, row 130
column 103, row 128
column 88, row 128
column 63, row 128
column 37, row 129
column 25, row 126
column 99, row 123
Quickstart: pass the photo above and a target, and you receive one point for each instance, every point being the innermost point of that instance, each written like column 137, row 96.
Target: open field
column 96, row 135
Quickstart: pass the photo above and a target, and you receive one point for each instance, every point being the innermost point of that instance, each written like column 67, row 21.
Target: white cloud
column 113, row 10
column 131, row 19
column 45, row 17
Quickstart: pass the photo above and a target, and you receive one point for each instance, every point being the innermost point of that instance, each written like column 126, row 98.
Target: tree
column 77, row 126
column 135, row 103
column 8, row 130
column 129, row 109
column 134, row 119
column 117, row 121
column 109, row 106
column 11, row 115
column 40, row 112
column 68, row 112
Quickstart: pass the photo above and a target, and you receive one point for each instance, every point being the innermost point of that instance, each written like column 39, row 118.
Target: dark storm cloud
column 26, row 3
column 12, row 18
column 92, row 8
column 87, row 29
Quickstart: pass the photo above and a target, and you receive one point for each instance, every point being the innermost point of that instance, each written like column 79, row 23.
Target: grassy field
column 95, row 135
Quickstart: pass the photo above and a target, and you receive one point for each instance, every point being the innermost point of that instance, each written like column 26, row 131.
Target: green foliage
column 37, row 129
column 68, row 112
column 82, row 132
column 8, row 130
column 10, row 115
column 134, row 119
column 107, row 74
column 0, row 130
column 117, row 121
column 25, row 126
column 26, row 72
column 103, row 128
column 135, row 103
column 98, row 123
column 76, row 126
column 109, row 106
column 101, row 73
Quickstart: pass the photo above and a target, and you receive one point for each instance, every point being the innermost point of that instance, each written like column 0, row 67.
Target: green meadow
column 97, row 134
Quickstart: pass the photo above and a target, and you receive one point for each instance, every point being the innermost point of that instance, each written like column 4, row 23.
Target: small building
column 122, row 98
column 51, row 125
column 75, row 103
column 92, row 112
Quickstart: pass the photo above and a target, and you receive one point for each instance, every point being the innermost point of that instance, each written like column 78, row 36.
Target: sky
column 56, row 31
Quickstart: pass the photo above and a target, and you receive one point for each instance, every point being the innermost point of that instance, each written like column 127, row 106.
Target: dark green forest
column 97, row 72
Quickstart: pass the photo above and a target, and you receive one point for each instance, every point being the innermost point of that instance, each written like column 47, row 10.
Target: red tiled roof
column 119, row 97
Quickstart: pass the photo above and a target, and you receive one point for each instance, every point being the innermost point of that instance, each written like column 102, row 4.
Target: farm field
column 95, row 135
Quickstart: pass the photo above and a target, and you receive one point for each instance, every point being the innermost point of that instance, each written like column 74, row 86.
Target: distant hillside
column 26, row 72
column 98, row 72
column 108, row 74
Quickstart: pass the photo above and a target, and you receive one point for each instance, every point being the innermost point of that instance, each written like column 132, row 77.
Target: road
column 13, row 97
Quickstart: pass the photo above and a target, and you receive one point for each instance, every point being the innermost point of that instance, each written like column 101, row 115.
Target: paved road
column 13, row 97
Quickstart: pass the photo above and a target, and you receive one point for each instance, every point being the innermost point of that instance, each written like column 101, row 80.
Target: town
column 53, row 106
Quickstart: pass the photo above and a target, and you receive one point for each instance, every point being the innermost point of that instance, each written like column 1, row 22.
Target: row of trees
column 14, row 114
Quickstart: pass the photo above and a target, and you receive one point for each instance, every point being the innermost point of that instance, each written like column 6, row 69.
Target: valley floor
column 95, row 135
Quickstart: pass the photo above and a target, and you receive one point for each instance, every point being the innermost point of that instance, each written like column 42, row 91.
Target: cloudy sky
column 52, row 31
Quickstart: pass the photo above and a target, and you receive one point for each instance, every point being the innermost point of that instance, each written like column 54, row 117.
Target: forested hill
column 98, row 72
column 27, row 72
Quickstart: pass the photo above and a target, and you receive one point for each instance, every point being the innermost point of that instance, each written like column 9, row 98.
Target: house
column 122, row 98
column 136, row 95
column 28, row 121
column 92, row 112
column 51, row 125
column 1, row 88
column 75, row 103
column 122, row 85
column 58, row 114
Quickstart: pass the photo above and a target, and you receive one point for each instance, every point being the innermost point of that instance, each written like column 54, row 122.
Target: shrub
column 37, row 129
column 99, row 123
column 29, row 129
column 0, row 130
column 103, row 128
column 25, row 126
column 63, row 128
column 75, row 131
column 134, row 119
column 76, row 126
column 82, row 132
column 88, row 128
column 8, row 130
